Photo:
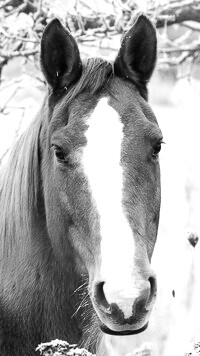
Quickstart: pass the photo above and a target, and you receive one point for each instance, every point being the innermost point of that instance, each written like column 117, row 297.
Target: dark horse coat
column 80, row 200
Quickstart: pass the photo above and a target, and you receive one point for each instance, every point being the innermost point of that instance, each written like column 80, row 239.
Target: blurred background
column 174, row 94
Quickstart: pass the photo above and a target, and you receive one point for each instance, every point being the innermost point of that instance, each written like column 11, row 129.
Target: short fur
column 33, row 284
column 45, row 289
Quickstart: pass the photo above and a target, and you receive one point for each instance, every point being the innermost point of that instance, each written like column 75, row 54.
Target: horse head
column 100, row 171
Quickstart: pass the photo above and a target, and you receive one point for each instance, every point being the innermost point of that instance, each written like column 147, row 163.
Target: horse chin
column 123, row 331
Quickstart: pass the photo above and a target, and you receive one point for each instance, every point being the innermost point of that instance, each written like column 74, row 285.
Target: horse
column 80, row 199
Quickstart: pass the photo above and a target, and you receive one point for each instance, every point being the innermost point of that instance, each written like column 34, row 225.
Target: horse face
column 101, row 175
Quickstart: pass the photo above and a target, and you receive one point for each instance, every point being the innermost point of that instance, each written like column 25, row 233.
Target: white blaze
column 101, row 161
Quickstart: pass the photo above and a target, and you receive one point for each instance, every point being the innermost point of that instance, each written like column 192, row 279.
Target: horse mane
column 20, row 184
column 96, row 74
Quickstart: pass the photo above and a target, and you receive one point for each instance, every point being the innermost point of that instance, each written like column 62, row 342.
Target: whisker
column 84, row 302
column 80, row 287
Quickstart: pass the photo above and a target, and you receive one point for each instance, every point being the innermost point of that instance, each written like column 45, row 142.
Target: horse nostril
column 100, row 298
column 153, row 292
column 144, row 302
column 120, row 308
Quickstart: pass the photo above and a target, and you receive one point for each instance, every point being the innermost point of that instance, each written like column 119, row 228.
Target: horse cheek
column 84, row 230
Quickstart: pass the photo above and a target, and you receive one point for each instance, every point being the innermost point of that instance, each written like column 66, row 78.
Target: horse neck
column 32, row 279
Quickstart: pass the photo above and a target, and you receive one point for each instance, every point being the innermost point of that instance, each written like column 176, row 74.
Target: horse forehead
column 104, row 137
column 111, row 122
column 120, row 113
column 104, row 120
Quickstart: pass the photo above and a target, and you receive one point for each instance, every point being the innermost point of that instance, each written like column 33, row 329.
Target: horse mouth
column 109, row 331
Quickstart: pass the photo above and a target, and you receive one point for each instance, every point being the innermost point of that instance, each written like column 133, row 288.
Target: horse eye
column 156, row 150
column 60, row 155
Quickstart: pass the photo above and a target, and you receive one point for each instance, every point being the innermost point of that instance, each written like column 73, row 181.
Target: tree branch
column 94, row 26
column 176, row 12
column 14, row 37
column 26, row 53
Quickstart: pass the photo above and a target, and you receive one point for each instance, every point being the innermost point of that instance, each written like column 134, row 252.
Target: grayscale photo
column 99, row 178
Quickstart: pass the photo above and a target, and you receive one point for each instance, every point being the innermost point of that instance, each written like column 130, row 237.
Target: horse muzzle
column 124, row 311
column 125, row 332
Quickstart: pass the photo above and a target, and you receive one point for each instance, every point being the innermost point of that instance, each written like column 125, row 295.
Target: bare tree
column 95, row 25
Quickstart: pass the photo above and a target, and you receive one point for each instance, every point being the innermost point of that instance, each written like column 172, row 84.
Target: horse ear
column 60, row 57
column 137, row 55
